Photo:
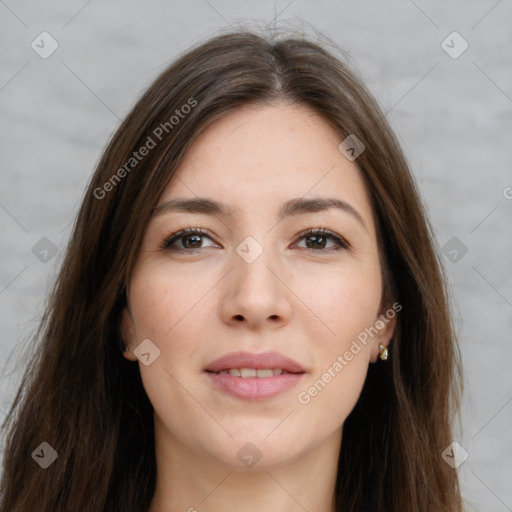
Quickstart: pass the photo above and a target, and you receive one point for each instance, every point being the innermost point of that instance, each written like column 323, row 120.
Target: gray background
column 452, row 116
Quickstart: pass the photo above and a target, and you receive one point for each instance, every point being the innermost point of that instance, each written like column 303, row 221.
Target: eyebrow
column 298, row 206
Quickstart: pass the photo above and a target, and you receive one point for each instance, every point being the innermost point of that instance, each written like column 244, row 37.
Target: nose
column 256, row 293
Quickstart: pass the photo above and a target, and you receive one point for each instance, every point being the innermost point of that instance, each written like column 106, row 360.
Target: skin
column 308, row 304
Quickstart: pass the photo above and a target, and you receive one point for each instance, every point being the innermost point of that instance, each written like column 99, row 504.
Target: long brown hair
column 86, row 401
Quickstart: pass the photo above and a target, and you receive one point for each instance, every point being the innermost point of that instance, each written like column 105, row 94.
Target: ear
column 385, row 324
column 128, row 331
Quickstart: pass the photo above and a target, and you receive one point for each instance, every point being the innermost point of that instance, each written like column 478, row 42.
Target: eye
column 316, row 239
column 189, row 239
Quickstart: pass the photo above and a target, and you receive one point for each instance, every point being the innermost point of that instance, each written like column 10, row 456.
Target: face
column 248, row 279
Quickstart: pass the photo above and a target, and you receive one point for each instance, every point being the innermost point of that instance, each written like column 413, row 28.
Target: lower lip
column 255, row 388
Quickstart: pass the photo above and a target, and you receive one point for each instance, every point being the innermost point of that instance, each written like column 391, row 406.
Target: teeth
column 252, row 372
column 265, row 372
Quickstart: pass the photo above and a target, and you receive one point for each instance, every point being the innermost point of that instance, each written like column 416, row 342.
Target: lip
column 254, row 388
column 257, row 361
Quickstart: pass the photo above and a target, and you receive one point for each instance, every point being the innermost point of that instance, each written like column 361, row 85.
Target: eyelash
column 171, row 239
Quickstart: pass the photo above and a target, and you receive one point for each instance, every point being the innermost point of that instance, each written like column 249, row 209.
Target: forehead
column 260, row 156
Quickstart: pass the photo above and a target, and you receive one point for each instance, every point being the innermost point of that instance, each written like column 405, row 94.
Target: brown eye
column 316, row 240
column 185, row 240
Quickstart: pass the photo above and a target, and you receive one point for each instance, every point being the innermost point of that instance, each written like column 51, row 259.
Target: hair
column 88, row 402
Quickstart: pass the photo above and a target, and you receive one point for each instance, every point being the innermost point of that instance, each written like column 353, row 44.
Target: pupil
column 197, row 237
column 315, row 238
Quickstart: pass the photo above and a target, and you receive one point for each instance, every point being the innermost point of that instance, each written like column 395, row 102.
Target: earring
column 383, row 352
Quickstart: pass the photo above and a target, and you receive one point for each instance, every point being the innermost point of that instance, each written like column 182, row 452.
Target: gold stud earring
column 383, row 352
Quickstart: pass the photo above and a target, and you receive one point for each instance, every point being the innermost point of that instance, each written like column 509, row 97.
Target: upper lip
column 257, row 361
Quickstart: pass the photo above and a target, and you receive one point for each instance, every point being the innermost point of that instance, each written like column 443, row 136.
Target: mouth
column 260, row 373
column 253, row 377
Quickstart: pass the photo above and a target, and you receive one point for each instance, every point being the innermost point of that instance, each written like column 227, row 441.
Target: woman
column 251, row 313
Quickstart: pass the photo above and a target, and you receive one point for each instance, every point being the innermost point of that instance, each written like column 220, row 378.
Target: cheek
column 347, row 302
column 166, row 306
column 162, row 300
column 171, row 308
column 344, row 300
